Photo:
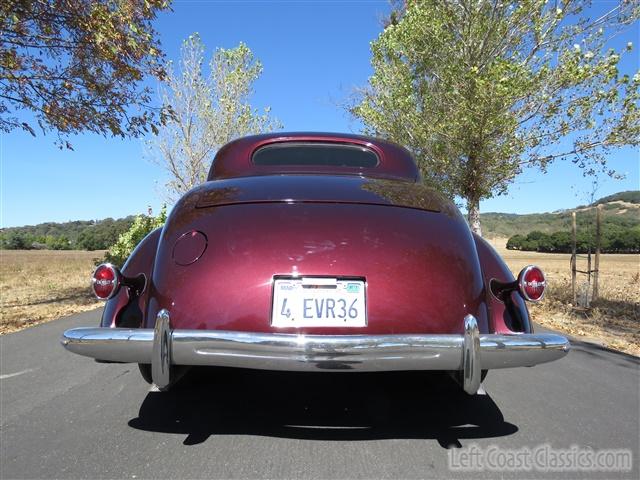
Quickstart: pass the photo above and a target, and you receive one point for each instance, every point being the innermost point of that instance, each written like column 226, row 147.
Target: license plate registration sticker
column 318, row 302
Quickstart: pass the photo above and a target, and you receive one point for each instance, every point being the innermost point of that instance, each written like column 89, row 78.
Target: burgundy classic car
column 316, row 252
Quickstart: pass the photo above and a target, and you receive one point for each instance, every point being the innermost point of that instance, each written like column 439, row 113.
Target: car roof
column 235, row 158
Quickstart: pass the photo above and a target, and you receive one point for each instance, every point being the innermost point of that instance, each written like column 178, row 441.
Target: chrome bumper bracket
column 471, row 367
column 161, row 359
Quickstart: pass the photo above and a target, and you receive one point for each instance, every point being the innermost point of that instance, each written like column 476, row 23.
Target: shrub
column 57, row 243
column 127, row 241
column 515, row 242
column 15, row 241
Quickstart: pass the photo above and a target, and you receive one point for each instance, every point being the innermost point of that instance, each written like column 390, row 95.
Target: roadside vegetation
column 118, row 237
column 614, row 240
column 613, row 320
column 37, row 286
column 127, row 241
column 78, row 235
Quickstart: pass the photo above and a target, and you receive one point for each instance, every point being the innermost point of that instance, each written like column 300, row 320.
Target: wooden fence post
column 573, row 257
column 596, row 270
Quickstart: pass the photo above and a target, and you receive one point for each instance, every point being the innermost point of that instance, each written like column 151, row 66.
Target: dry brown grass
column 613, row 319
column 41, row 285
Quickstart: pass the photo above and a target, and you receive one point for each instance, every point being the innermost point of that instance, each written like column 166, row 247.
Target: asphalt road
column 65, row 416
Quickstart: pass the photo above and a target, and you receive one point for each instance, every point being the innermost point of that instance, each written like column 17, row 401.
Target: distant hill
column 630, row 196
column 620, row 210
column 77, row 235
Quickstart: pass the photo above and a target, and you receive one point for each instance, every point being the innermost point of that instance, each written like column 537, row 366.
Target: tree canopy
column 479, row 90
column 78, row 66
column 207, row 110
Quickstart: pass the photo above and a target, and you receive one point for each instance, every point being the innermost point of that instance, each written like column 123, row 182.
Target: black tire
column 457, row 375
column 145, row 371
column 177, row 372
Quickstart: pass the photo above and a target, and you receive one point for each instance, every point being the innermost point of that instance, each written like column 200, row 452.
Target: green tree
column 15, row 241
column 78, row 65
column 127, row 241
column 87, row 240
column 57, row 243
column 479, row 90
column 561, row 242
column 515, row 242
column 207, row 111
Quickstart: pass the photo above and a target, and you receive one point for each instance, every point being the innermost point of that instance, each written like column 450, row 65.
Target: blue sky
column 314, row 55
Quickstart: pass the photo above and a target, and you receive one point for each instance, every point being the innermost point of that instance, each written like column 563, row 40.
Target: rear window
column 316, row 154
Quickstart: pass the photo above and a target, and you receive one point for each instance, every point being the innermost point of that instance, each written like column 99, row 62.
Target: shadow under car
column 321, row 406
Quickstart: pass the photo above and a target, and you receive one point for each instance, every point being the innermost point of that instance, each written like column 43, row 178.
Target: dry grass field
column 613, row 319
column 36, row 286
column 41, row 285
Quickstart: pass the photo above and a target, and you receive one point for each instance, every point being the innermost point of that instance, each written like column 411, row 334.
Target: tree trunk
column 473, row 215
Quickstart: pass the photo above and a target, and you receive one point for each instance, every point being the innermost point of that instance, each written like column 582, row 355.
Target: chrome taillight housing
column 531, row 283
column 105, row 281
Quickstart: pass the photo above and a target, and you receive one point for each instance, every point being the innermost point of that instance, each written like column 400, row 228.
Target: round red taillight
column 105, row 281
column 531, row 283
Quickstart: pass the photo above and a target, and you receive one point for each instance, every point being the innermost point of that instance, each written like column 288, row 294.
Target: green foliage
column 78, row 235
column 78, row 66
column 58, row 243
column 207, row 111
column 127, row 241
column 15, row 241
column 479, row 90
column 614, row 240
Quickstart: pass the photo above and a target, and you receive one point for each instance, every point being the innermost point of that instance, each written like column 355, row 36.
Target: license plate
column 318, row 302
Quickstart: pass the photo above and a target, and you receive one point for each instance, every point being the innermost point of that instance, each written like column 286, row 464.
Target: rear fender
column 122, row 310
column 505, row 317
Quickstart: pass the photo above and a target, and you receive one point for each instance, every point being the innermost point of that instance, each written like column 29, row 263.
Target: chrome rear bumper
column 162, row 347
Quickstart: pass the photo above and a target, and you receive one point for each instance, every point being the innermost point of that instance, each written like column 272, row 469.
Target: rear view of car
column 316, row 252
